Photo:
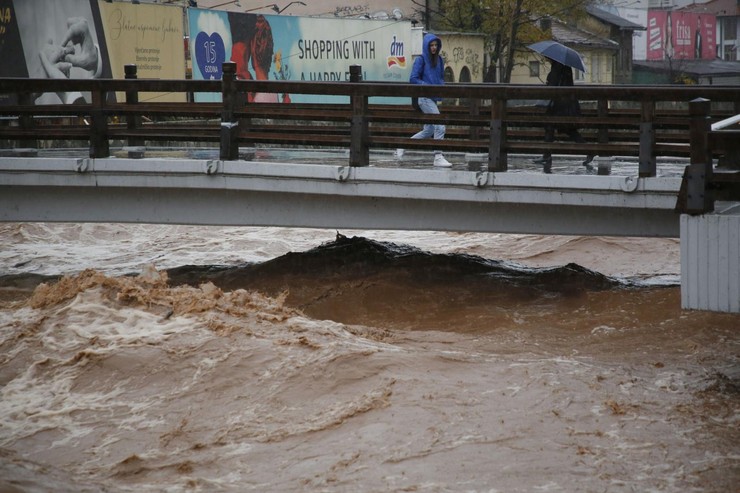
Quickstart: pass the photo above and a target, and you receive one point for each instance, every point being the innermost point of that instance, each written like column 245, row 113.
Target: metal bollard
column 355, row 73
column 604, row 165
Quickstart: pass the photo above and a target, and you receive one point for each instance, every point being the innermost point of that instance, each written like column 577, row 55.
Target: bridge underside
column 245, row 193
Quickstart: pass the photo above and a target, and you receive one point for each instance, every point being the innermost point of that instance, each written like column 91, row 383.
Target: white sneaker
column 399, row 154
column 439, row 160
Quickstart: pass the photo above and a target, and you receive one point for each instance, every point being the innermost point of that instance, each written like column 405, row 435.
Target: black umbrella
column 560, row 53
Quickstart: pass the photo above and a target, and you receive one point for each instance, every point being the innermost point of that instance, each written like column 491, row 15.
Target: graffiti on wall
column 351, row 10
column 460, row 56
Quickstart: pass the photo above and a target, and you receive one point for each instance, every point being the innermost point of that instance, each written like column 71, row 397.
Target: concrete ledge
column 19, row 152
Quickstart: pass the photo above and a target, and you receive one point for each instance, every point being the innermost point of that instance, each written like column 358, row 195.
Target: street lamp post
column 271, row 6
column 280, row 11
column 274, row 7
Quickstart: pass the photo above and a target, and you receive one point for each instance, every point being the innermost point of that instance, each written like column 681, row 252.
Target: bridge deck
column 383, row 196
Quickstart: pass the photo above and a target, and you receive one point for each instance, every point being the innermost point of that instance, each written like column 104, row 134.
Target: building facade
column 599, row 57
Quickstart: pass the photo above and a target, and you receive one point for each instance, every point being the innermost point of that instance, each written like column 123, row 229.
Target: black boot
column 588, row 160
column 546, row 165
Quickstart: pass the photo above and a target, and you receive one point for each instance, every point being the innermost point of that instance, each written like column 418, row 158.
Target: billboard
column 54, row 39
column 150, row 36
column 276, row 47
column 680, row 35
column 77, row 39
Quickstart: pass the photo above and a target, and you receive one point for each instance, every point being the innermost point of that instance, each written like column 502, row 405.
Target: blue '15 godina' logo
column 210, row 54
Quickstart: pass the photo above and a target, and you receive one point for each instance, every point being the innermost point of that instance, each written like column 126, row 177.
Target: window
column 596, row 68
column 579, row 76
column 729, row 28
column 534, row 69
column 465, row 77
column 465, row 74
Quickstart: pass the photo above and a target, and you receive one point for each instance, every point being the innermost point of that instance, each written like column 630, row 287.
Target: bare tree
column 509, row 25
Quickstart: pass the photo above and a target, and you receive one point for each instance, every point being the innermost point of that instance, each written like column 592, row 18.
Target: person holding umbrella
column 561, row 59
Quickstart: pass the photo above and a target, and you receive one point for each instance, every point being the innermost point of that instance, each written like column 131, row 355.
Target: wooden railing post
column 27, row 122
column 647, row 139
column 133, row 122
column 99, row 146
column 699, row 172
column 474, row 110
column 602, row 111
column 359, row 152
column 229, row 125
column 497, row 158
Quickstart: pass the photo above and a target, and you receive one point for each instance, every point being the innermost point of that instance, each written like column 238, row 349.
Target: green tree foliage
column 509, row 25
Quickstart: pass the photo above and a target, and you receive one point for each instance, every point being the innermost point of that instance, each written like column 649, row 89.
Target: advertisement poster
column 274, row 47
column 14, row 61
column 54, row 39
column 78, row 39
column 680, row 35
column 149, row 36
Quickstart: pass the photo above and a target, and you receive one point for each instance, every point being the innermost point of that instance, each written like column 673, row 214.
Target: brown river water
column 150, row 358
column 179, row 358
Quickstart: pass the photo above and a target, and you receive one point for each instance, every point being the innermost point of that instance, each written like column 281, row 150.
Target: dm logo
column 396, row 57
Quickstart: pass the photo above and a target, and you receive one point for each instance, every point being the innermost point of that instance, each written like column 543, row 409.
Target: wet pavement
column 518, row 163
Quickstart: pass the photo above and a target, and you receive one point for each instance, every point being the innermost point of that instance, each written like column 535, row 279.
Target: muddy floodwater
column 183, row 359
column 149, row 358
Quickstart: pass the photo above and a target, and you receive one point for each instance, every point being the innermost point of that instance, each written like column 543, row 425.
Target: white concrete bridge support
column 710, row 260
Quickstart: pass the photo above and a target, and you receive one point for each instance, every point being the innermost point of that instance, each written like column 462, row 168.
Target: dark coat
column 562, row 75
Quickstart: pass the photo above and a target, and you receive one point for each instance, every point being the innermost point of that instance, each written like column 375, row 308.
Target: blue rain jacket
column 423, row 72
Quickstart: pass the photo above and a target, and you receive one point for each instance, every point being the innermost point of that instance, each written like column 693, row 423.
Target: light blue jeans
column 437, row 131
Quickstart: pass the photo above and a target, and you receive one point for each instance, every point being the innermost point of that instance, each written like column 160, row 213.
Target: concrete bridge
column 216, row 192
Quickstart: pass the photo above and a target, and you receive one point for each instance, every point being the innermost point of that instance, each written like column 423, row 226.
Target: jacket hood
column 428, row 38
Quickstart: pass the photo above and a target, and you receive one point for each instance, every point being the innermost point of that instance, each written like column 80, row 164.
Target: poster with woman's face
column 278, row 47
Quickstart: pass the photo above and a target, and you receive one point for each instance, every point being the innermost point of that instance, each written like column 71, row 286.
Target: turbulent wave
column 361, row 281
column 362, row 365
column 348, row 257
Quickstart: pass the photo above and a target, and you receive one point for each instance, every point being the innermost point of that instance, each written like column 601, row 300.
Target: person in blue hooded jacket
column 429, row 68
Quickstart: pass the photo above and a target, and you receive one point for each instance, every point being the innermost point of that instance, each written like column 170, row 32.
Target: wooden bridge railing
column 642, row 121
column 702, row 183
